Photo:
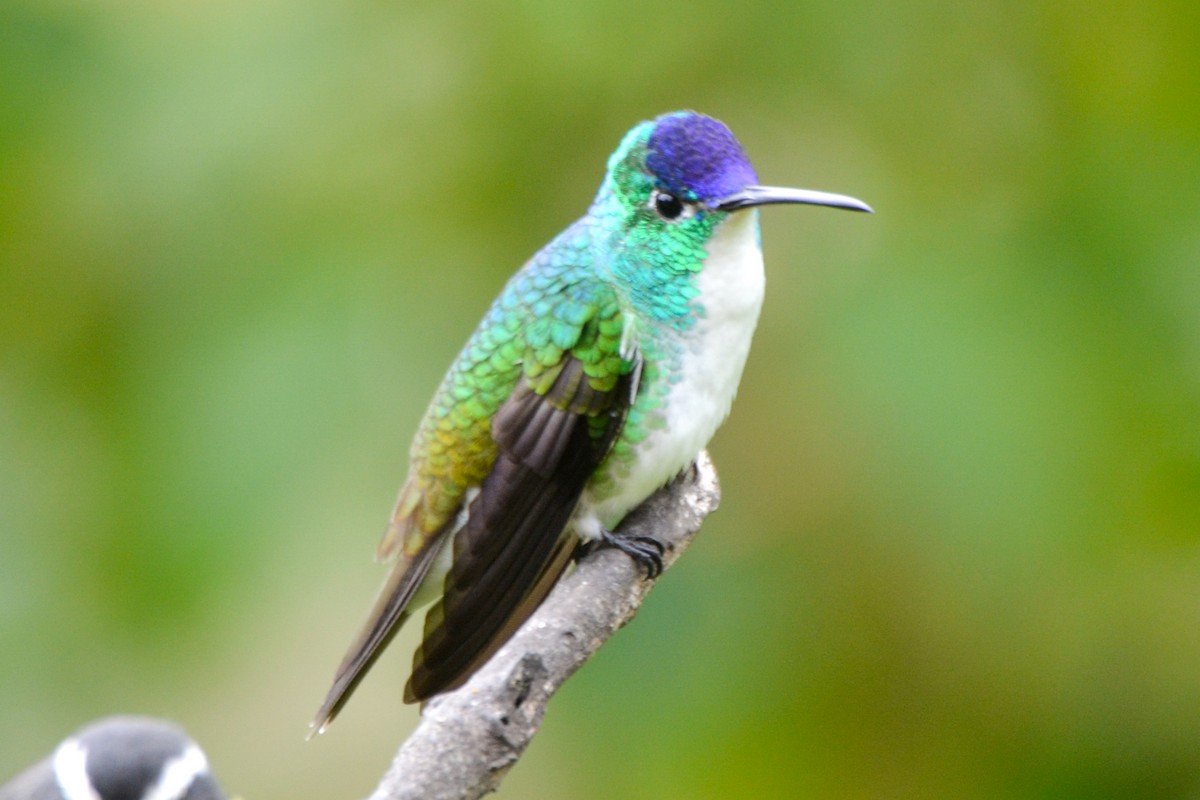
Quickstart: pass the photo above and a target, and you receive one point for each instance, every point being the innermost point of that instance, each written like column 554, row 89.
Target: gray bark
column 468, row 739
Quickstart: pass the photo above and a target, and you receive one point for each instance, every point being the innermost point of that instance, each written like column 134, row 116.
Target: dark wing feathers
column 470, row 618
column 515, row 544
column 536, row 429
column 551, row 434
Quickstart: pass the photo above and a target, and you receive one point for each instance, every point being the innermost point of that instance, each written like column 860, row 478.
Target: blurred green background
column 959, row 549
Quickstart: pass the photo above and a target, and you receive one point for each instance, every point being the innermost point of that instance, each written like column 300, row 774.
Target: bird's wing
column 451, row 452
column 551, row 434
column 525, row 415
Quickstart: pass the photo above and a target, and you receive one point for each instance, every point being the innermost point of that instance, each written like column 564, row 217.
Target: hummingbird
column 601, row 371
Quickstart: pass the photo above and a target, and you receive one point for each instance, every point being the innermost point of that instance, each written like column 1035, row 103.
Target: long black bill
column 766, row 195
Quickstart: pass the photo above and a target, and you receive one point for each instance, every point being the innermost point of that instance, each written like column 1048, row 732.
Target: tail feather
column 385, row 619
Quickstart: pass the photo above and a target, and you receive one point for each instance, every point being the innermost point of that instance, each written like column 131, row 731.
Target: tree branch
column 467, row 740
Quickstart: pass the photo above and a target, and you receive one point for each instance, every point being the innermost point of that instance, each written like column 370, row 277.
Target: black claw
column 645, row 550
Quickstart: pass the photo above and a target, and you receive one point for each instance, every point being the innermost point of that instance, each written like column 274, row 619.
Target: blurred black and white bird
column 120, row 758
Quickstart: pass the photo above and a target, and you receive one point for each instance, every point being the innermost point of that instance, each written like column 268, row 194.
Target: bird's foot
column 646, row 551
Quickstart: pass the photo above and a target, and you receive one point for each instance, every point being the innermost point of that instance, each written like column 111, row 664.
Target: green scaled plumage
column 553, row 308
column 601, row 370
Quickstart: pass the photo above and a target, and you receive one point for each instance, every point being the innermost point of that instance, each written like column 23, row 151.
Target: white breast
column 714, row 353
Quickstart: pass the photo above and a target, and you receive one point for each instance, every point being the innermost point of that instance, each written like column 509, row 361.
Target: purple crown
column 697, row 158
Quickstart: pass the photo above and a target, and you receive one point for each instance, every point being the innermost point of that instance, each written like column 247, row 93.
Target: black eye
column 667, row 205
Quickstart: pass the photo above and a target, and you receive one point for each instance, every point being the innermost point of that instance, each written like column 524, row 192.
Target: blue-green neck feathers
column 683, row 162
